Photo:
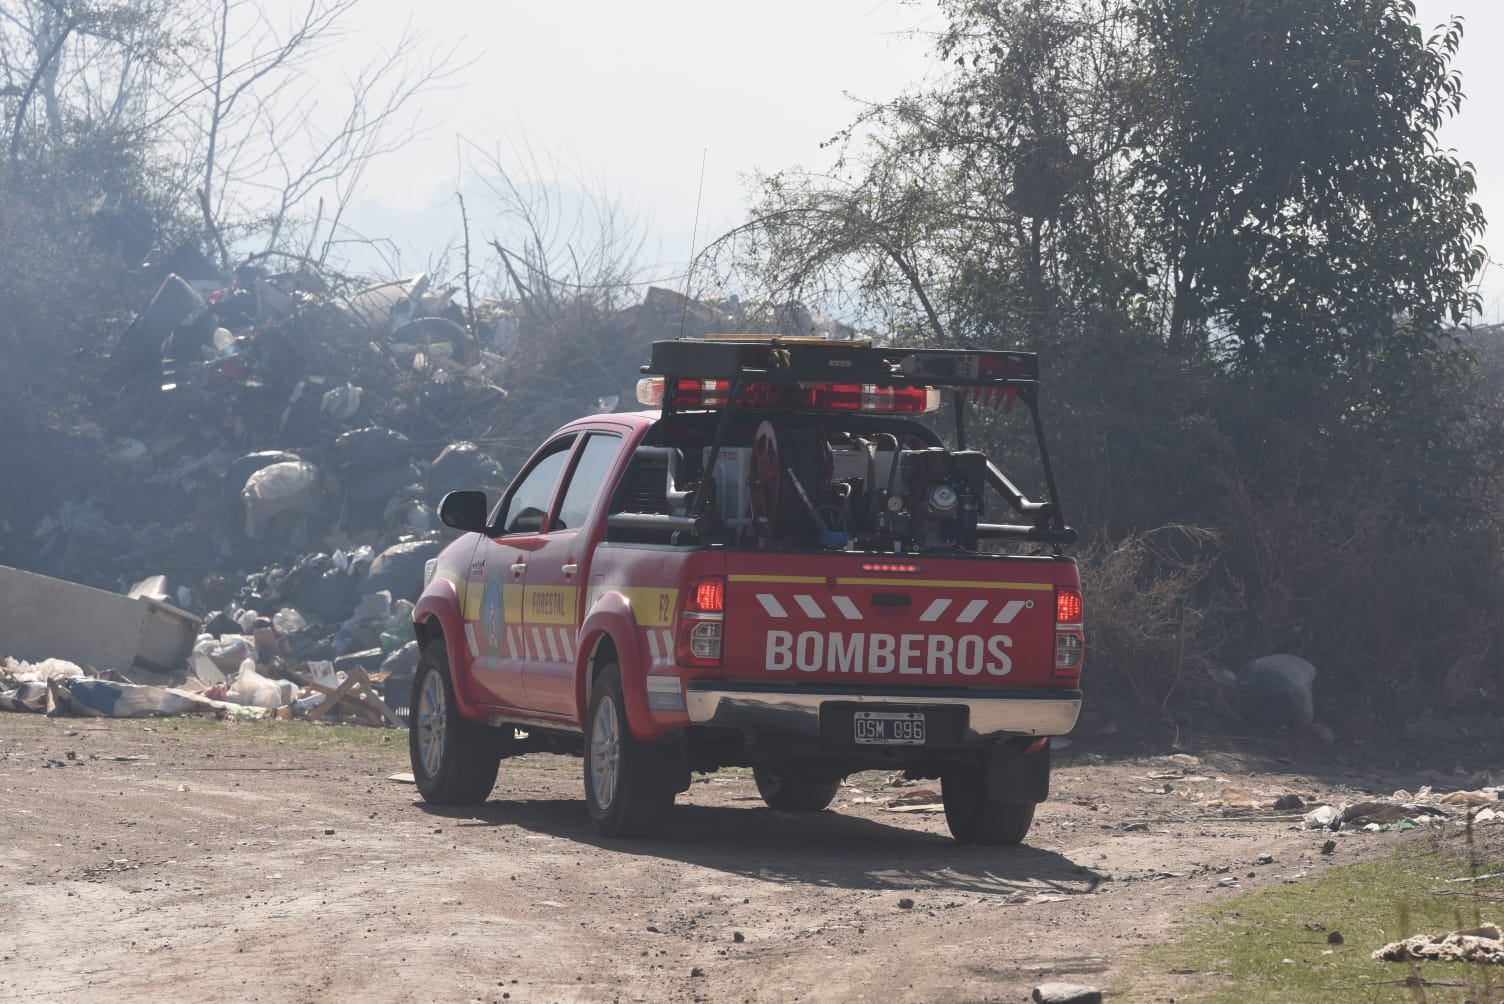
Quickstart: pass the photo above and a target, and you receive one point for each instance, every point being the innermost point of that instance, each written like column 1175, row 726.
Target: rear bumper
column 990, row 715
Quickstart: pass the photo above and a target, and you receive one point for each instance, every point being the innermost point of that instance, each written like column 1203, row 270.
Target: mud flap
column 1016, row 776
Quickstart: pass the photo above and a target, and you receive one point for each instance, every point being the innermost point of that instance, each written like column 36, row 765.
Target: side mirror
column 464, row 511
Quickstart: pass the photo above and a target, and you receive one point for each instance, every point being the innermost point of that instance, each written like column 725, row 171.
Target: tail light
column 699, row 638
column 1070, row 638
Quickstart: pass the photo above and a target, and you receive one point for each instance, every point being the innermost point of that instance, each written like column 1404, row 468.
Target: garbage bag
column 369, row 450
column 1275, row 692
column 47, row 669
column 242, row 468
column 288, row 621
column 320, row 588
column 399, row 569
column 284, row 491
column 256, row 691
column 226, row 652
column 397, row 635
column 341, row 403
column 464, row 465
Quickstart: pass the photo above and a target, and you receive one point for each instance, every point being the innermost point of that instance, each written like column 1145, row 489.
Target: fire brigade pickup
column 778, row 567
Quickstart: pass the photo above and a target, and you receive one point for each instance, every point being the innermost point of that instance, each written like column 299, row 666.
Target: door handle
column 518, row 567
column 570, row 568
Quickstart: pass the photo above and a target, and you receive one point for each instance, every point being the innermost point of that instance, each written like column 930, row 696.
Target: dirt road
column 204, row 861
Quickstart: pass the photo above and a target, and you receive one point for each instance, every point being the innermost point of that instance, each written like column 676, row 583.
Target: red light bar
column 888, row 566
column 689, row 393
column 992, row 397
column 989, row 364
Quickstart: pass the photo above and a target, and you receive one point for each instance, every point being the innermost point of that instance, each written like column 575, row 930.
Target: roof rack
column 780, row 359
column 762, row 360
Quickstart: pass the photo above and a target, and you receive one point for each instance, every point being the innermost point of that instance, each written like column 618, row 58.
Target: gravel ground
column 174, row 860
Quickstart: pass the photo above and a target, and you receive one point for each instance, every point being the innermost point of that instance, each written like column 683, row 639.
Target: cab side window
column 587, row 480
column 527, row 504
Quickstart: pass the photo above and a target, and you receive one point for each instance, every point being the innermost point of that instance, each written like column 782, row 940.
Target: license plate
column 889, row 728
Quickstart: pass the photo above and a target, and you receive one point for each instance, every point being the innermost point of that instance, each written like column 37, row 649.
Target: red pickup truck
column 778, row 567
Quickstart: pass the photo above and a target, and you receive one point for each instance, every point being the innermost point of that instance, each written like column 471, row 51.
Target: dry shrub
column 1395, row 611
column 1157, row 610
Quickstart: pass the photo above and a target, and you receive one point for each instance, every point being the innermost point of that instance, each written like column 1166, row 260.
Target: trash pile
column 1480, row 944
column 240, row 676
column 337, row 639
column 240, row 423
column 269, row 450
column 1404, row 811
column 59, row 687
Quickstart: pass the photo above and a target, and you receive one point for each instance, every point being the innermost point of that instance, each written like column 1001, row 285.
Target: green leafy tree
column 1294, row 191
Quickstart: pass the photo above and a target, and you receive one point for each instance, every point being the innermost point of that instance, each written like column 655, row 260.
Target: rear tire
column 795, row 792
column 975, row 818
column 455, row 760
column 629, row 786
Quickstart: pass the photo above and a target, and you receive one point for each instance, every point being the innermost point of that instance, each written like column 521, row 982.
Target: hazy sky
column 632, row 97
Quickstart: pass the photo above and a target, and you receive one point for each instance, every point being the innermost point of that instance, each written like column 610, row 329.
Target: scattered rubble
column 1403, row 811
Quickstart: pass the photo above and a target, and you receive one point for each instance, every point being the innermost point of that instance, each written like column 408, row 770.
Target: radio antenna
column 694, row 236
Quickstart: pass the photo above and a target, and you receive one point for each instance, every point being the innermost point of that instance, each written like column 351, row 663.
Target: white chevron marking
column 810, row 607
column 771, row 605
column 848, row 609
column 934, row 610
column 972, row 612
column 1010, row 610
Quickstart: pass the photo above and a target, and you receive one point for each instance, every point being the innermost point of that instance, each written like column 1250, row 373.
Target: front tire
column 455, row 760
column 628, row 783
column 974, row 817
column 794, row 792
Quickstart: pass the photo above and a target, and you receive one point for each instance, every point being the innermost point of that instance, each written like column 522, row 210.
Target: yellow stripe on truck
column 652, row 607
column 896, row 583
column 947, row 584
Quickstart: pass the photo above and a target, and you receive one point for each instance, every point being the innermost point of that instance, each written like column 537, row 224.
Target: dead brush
column 1158, row 610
